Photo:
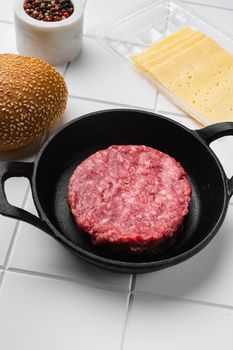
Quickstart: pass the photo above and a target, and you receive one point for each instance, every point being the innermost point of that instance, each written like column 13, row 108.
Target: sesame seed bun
column 33, row 96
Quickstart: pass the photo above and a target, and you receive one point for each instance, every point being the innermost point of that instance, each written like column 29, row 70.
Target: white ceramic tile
column 157, row 323
column 15, row 190
column 7, row 38
column 164, row 105
column 99, row 75
column 77, row 107
column 228, row 4
column 223, row 148
column 204, row 277
column 103, row 10
column 38, row 313
column 222, row 18
column 7, row 12
column 43, row 254
column 185, row 120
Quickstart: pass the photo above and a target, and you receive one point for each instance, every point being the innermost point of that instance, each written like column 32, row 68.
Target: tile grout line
column 183, row 300
column 13, row 238
column 206, row 5
column 109, row 102
column 131, row 290
column 49, row 276
column 175, row 114
column 11, row 245
column 128, row 310
column 6, row 21
column 92, row 36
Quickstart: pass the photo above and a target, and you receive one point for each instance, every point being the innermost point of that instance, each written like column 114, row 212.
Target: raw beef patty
column 129, row 197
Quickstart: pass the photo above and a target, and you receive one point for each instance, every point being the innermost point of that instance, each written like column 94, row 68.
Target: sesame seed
column 38, row 100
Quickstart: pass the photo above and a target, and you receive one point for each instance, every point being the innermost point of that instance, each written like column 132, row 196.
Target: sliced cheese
column 201, row 76
column 159, row 51
column 195, row 62
column 183, row 31
column 173, row 52
column 195, row 72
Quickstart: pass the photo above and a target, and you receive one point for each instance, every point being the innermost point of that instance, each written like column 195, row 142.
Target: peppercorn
column 49, row 10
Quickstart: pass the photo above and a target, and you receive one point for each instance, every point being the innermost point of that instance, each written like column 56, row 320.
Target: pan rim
column 139, row 266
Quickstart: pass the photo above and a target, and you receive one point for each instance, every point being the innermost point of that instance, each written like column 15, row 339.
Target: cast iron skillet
column 49, row 175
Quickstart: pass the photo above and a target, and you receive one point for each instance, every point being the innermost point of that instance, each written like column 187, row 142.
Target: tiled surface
column 8, row 43
column 15, row 190
column 77, row 107
column 44, row 255
column 101, row 11
column 164, row 105
column 7, row 13
column 205, row 277
column 223, row 149
column 38, row 313
column 99, row 75
column 157, row 323
column 50, row 299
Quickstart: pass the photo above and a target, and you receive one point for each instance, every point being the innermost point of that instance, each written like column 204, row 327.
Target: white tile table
column 44, row 313
column 99, row 75
column 49, row 299
column 168, row 324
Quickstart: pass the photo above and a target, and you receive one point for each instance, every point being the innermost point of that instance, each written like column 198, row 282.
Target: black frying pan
column 49, row 175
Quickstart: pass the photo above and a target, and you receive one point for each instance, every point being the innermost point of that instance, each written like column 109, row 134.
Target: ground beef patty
column 130, row 197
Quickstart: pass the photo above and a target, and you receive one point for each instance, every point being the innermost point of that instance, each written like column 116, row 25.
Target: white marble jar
column 54, row 42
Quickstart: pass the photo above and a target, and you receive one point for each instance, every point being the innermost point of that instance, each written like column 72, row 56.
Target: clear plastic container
column 134, row 31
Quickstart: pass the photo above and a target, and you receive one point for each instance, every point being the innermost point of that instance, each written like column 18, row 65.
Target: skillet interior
column 100, row 130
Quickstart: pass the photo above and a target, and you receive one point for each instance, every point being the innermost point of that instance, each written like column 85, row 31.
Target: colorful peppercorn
column 49, row 10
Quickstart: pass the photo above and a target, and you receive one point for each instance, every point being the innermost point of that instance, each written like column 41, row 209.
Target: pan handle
column 17, row 169
column 214, row 132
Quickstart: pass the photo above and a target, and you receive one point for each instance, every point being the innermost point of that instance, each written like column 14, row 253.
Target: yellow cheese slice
column 183, row 31
column 171, row 53
column 166, row 47
column 202, row 77
column 196, row 62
